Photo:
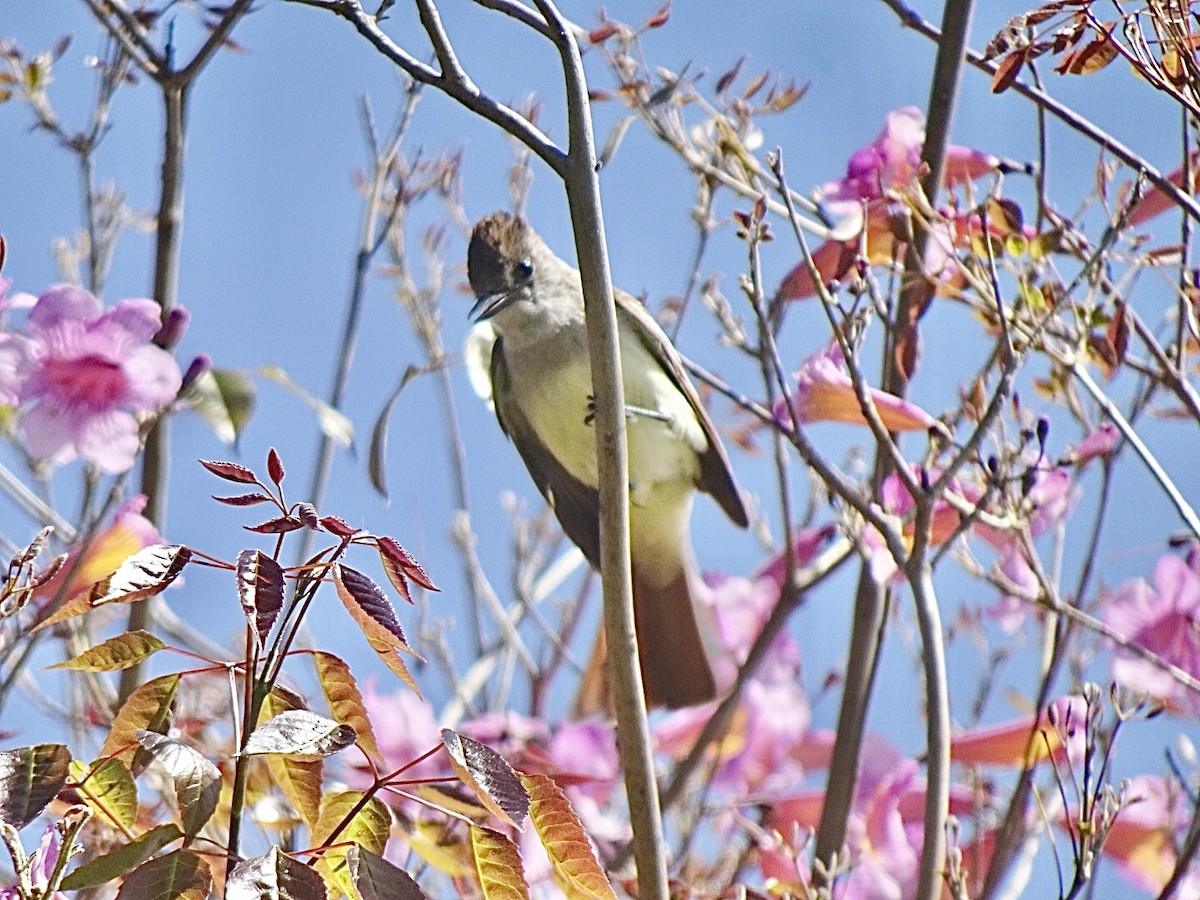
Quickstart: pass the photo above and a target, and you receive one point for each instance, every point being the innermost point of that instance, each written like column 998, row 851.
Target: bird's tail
column 675, row 667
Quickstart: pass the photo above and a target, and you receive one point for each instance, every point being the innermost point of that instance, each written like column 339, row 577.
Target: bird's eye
column 525, row 269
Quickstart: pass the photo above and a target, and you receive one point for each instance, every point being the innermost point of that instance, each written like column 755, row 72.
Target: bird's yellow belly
column 664, row 435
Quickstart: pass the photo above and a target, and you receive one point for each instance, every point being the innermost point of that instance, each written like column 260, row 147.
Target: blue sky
column 271, row 225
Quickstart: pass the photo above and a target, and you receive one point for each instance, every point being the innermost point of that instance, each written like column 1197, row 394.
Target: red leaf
column 391, row 551
column 602, row 33
column 660, row 18
column 244, row 499
column 1008, row 69
column 338, row 527
column 275, row 466
column 230, row 471
column 281, row 525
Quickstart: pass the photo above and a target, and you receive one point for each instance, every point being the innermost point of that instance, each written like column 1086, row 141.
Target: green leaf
column 300, row 780
column 574, row 865
column 149, row 708
column 30, row 777
column 369, row 828
column 107, row 786
column 301, row 733
column 119, row 652
column 224, row 398
column 124, row 858
column 379, row 433
column 197, row 780
column 333, row 423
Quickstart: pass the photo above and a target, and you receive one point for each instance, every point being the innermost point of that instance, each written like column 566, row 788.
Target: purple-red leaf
column 260, row 590
column 660, row 18
column 374, row 614
column 489, row 775
column 397, row 560
column 280, row 525
column 230, row 471
column 275, row 466
column 338, row 527
column 251, row 499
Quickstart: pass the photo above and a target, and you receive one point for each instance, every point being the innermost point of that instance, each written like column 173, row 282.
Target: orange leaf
column 575, row 867
column 148, row 708
column 1091, row 57
column 1008, row 69
column 345, row 701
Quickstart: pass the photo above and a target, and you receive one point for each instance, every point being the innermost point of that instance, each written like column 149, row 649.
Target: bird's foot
column 630, row 412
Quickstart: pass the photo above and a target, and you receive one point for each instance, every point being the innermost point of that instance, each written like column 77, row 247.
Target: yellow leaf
column 497, row 865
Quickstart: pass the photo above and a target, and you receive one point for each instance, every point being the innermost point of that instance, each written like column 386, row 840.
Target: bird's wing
column 576, row 505
column 716, row 474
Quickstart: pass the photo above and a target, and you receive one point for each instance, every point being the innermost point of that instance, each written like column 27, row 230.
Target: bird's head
column 500, row 263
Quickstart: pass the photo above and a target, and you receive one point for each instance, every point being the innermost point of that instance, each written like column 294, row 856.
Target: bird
column 542, row 392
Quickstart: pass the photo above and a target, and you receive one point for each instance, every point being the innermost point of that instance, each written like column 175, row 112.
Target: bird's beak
column 489, row 304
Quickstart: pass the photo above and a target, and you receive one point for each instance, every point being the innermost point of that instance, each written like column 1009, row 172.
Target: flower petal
column 154, row 378
column 110, row 440
column 49, row 431
column 62, row 303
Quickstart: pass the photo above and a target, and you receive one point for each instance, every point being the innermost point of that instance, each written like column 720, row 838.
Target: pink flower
column 128, row 533
column 1061, row 733
column 896, row 501
column 893, row 160
column 1099, row 443
column 824, row 393
column 890, row 163
column 16, row 354
column 1143, row 836
column 885, row 830
column 405, row 728
column 92, row 371
column 1155, row 201
column 1164, row 619
column 43, row 863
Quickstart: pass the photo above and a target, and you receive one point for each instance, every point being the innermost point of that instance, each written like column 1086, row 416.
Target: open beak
column 490, row 304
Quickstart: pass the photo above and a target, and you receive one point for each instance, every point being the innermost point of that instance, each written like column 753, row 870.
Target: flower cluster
column 83, row 375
